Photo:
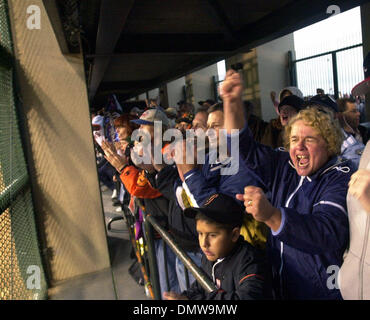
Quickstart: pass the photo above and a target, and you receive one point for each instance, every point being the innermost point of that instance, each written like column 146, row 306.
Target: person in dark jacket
column 351, row 148
column 236, row 268
column 349, row 117
column 181, row 227
column 307, row 211
column 200, row 182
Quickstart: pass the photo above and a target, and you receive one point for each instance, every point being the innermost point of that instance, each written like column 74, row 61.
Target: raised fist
column 232, row 87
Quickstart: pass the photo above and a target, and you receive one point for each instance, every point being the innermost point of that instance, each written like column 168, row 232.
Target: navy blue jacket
column 314, row 231
column 200, row 184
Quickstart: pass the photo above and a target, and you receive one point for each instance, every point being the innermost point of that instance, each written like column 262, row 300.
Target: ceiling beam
column 287, row 19
column 172, row 43
column 218, row 15
column 149, row 54
column 120, row 86
column 185, row 68
column 112, row 19
column 297, row 14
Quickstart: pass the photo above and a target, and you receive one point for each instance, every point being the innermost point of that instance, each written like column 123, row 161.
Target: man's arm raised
column 231, row 93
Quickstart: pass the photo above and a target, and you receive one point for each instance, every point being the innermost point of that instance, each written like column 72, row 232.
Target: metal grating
column 21, row 271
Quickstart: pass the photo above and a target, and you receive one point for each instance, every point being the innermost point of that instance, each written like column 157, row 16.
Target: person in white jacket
column 354, row 275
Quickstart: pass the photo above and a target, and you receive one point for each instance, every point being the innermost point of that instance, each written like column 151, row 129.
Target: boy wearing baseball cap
column 237, row 269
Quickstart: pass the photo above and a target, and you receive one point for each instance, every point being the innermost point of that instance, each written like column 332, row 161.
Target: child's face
column 216, row 242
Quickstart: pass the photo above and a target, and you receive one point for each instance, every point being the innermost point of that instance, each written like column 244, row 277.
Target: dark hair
column 342, row 103
column 216, row 107
column 208, row 220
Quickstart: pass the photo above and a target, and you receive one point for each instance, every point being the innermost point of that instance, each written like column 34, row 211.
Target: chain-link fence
column 21, row 271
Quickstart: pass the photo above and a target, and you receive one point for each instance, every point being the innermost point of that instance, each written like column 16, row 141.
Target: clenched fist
column 259, row 207
column 232, row 87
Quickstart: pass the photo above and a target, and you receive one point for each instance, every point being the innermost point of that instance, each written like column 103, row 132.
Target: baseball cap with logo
column 221, row 208
column 325, row 101
column 151, row 115
column 364, row 86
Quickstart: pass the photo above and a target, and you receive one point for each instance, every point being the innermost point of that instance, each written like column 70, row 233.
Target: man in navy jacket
column 200, row 182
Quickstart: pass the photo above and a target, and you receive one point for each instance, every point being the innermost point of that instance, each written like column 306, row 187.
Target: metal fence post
column 335, row 73
column 215, row 83
column 292, row 70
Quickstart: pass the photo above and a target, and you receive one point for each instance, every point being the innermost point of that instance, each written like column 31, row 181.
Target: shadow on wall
column 62, row 166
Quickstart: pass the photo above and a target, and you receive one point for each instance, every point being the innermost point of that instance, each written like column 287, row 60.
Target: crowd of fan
column 281, row 227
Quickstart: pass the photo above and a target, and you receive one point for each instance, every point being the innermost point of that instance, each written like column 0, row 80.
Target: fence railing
column 334, row 71
column 145, row 253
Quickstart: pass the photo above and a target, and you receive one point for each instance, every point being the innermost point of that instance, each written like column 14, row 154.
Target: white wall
column 153, row 94
column 202, row 84
column 142, row 96
column 175, row 91
column 272, row 71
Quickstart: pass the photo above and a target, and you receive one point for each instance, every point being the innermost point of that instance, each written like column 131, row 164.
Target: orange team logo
column 211, row 198
column 142, row 181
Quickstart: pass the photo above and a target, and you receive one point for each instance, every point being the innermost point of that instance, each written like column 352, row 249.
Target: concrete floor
column 110, row 284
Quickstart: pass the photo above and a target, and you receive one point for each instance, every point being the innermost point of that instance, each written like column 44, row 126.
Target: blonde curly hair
column 322, row 120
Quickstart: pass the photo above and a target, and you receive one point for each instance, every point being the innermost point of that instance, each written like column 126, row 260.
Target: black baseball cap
column 220, row 208
column 325, row 101
column 209, row 101
column 293, row 101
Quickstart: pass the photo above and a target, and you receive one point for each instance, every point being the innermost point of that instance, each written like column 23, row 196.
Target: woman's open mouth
column 302, row 161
